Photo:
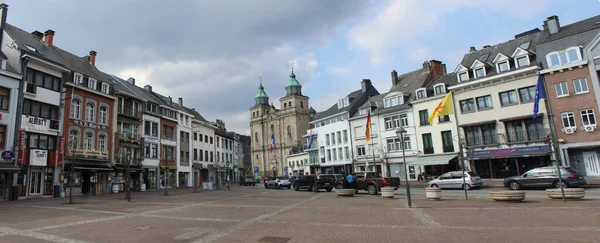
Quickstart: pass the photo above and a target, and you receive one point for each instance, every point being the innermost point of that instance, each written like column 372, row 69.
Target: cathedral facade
column 275, row 132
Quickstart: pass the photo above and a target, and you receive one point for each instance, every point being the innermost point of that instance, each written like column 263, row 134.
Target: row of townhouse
column 493, row 91
column 64, row 123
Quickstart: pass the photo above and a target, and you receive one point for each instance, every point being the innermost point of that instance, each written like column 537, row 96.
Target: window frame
column 460, row 76
column 424, row 119
column 508, row 92
column 570, row 116
column 103, row 116
column 589, row 113
column 491, row 105
column 421, row 93
column 5, row 100
column 531, row 93
column 442, row 88
column 472, row 102
column 476, row 72
column 564, row 92
column 92, row 84
column 581, row 81
column 499, row 64
column 517, row 58
column 78, row 78
column 90, row 114
column 105, row 88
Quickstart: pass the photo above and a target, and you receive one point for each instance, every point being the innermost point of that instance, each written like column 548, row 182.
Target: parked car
column 373, row 182
column 248, row 181
column 293, row 178
column 545, row 177
column 278, row 183
column 454, row 179
column 267, row 178
column 308, row 182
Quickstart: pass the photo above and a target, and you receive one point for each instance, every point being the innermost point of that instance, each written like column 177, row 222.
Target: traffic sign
column 285, row 169
column 255, row 169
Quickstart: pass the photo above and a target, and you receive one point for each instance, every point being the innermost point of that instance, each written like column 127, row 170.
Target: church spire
column 261, row 97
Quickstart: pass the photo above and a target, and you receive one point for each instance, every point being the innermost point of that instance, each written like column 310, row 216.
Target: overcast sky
column 211, row 52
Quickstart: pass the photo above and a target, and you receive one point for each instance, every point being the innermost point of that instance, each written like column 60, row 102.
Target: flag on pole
column 272, row 145
column 310, row 139
column 444, row 108
column 540, row 93
column 368, row 129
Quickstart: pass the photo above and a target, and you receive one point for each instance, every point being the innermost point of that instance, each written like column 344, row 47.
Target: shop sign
column 38, row 157
column 89, row 124
column 37, row 125
column 7, row 155
column 151, row 139
column 88, row 153
column 61, row 149
column 510, row 152
column 21, row 151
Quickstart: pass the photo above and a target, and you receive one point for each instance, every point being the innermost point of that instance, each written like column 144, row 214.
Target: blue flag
column 311, row 139
column 540, row 93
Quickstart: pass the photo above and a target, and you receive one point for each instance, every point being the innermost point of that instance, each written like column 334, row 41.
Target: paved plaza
column 246, row 214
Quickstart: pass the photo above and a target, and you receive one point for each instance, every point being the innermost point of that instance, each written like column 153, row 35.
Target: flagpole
column 553, row 136
column 460, row 147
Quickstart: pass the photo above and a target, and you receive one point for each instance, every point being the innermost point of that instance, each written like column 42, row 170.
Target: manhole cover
column 273, row 239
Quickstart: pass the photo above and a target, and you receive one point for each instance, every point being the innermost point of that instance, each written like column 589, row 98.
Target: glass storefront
column 502, row 168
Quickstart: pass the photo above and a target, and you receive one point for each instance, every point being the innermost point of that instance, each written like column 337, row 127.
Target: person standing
column 350, row 181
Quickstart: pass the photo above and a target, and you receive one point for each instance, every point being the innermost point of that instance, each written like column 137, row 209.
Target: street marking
column 37, row 235
column 73, row 209
column 79, row 223
column 190, row 218
column 425, row 218
column 247, row 223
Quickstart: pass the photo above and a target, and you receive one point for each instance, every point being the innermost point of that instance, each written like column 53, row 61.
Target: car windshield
column 282, row 178
column 571, row 170
column 472, row 174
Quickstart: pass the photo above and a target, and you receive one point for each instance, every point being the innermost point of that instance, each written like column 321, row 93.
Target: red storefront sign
column 21, row 155
column 61, row 149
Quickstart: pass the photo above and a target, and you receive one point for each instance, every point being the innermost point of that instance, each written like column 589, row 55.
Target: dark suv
column 545, row 177
column 308, row 182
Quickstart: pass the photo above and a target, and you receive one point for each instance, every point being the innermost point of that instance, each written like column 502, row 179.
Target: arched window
column 73, row 140
column 103, row 115
column 102, row 143
column 75, row 109
column 290, row 104
column 90, row 112
column 256, row 137
column 88, row 141
column 256, row 156
column 301, row 104
column 284, row 105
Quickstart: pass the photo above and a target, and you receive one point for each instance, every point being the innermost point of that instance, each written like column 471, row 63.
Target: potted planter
column 433, row 193
column 387, row 192
column 570, row 193
column 345, row 192
column 507, row 195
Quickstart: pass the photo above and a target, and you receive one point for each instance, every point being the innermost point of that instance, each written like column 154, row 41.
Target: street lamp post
column 401, row 133
column 127, row 171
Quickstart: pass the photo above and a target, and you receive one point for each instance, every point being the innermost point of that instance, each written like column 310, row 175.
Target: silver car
column 278, row 182
column 454, row 180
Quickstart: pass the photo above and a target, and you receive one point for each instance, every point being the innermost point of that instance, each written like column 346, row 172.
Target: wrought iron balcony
column 524, row 136
column 130, row 112
column 484, row 140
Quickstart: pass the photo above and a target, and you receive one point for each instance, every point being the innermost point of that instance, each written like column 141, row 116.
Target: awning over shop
column 8, row 167
column 442, row 159
column 525, row 151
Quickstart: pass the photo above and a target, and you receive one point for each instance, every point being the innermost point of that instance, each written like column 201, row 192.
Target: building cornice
column 91, row 91
column 493, row 78
column 561, row 68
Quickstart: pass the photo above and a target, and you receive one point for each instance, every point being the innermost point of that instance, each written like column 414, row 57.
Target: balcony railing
column 130, row 112
column 524, row 136
column 484, row 140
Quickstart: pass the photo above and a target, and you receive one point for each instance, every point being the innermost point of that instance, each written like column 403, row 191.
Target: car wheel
column 278, row 187
column 434, row 185
column 311, row 188
column 296, row 187
column 557, row 184
column 514, row 185
column 467, row 187
column 338, row 186
column 372, row 190
column 329, row 189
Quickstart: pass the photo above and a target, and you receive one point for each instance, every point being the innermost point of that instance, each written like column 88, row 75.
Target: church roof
column 292, row 81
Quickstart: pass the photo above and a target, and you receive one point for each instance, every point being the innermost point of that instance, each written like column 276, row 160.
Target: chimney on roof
column 38, row 34
column 170, row 100
column 148, row 88
column 552, row 24
column 486, row 46
column 472, row 49
column 426, row 65
column 131, row 80
column 180, row 101
column 436, row 68
column 3, row 11
column 49, row 38
column 444, row 67
column 93, row 57
column 394, row 77
column 365, row 84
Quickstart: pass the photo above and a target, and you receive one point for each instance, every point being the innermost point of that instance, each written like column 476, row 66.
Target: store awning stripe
column 442, row 159
column 92, row 168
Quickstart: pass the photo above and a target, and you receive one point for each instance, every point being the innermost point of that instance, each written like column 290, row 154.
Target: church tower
column 286, row 126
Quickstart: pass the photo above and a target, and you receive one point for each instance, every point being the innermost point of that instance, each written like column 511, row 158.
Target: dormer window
column 105, row 88
column 480, row 72
column 77, row 78
column 503, row 66
column 522, row 61
column 421, row 93
column 92, row 83
column 393, row 101
column 439, row 89
column 567, row 56
column 343, row 103
column 363, row 112
column 464, row 76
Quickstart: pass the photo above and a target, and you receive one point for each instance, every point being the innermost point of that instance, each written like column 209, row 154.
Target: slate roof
column 195, row 113
column 573, row 35
column 411, row 81
column 123, row 87
column 357, row 98
column 23, row 38
column 81, row 65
